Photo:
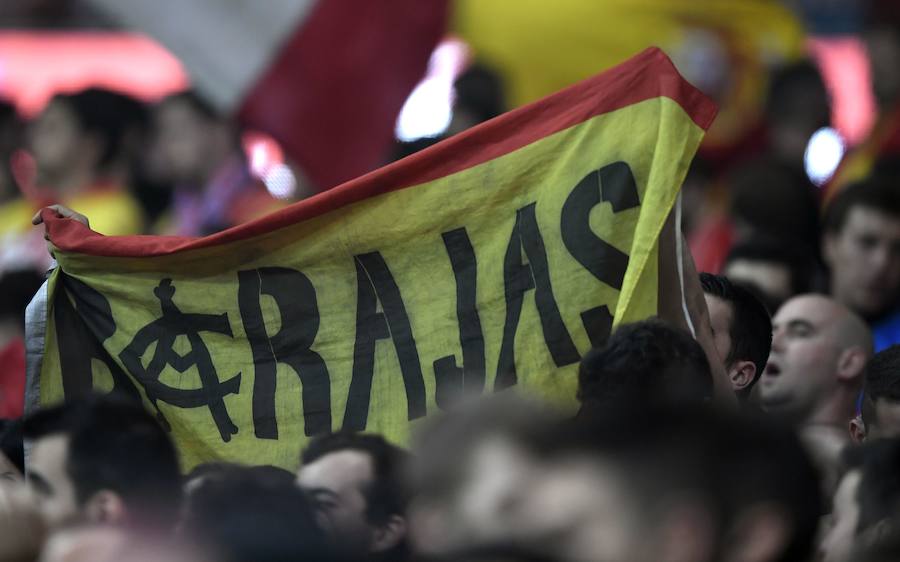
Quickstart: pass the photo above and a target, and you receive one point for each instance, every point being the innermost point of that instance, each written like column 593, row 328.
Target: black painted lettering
column 295, row 297
column 376, row 284
column 452, row 381
column 613, row 184
column 518, row 279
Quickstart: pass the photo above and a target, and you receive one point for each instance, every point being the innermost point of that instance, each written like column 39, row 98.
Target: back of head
column 751, row 261
column 751, row 325
column 387, row 495
column 878, row 494
column 115, row 445
column 763, row 185
column 739, row 468
column 248, row 516
column 882, row 382
column 644, row 363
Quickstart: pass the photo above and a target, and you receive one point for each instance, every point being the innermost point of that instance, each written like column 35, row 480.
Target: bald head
column 819, row 350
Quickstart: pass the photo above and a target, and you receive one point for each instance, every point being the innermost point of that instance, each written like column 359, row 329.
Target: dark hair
column 878, row 495
column 882, row 376
column 732, row 462
column 786, row 253
column 480, row 91
column 11, row 443
column 249, row 516
column 111, row 115
column 198, row 104
column 386, row 495
column 876, row 192
column 114, row 444
column 647, row 361
column 751, row 325
column 762, row 186
column 788, row 88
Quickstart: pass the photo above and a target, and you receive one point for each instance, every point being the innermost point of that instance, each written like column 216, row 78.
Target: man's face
column 53, row 490
column 336, row 483
column 803, row 360
column 720, row 317
column 841, row 531
column 865, row 261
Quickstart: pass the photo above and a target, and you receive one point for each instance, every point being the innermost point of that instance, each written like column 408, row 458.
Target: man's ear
column 742, row 374
column 105, row 506
column 857, row 430
column 389, row 535
column 851, row 363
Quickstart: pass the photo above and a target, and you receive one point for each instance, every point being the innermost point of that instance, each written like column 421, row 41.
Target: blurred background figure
column 200, row 154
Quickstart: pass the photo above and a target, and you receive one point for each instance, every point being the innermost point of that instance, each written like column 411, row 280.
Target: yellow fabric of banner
column 373, row 313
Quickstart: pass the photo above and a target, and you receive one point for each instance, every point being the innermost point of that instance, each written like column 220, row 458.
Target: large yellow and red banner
column 491, row 260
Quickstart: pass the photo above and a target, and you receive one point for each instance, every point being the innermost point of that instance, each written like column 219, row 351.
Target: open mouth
column 772, row 370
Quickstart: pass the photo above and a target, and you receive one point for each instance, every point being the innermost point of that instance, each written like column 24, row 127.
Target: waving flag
column 326, row 78
column 493, row 259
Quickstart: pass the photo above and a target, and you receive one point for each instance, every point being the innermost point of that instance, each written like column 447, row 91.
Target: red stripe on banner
column 333, row 94
column 646, row 76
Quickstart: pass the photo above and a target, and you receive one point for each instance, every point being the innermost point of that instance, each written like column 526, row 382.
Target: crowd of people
column 800, row 463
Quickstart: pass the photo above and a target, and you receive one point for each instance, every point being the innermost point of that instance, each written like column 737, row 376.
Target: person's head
column 355, row 482
column 641, row 363
column 191, row 139
column 796, row 107
column 867, row 501
column 670, row 483
column 742, row 330
column 819, row 351
column 861, row 246
column 881, row 401
column 479, row 97
column 86, row 130
column 105, row 459
column 469, row 468
column 247, row 514
column 769, row 198
column 777, row 269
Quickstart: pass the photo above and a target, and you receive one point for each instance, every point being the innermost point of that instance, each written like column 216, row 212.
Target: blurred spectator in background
column 797, row 106
column 355, row 482
column 814, row 374
column 776, row 269
column 102, row 459
column 80, row 144
column 742, row 330
column 647, row 362
column 880, row 410
column 200, row 153
column 861, row 247
column 10, row 140
column 867, row 501
column 478, row 97
column 640, row 484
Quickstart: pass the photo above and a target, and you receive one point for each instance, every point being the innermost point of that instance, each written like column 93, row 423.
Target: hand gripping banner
column 491, row 260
